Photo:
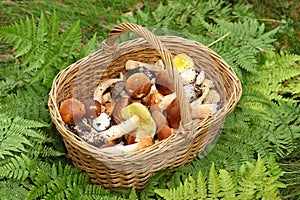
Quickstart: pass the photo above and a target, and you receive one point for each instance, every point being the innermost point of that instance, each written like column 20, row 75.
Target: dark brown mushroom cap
column 138, row 85
column 173, row 114
column 164, row 83
column 93, row 108
column 72, row 111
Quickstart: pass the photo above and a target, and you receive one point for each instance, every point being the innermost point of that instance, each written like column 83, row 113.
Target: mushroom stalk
column 201, row 111
column 166, row 100
column 102, row 87
column 132, row 64
column 121, row 149
column 119, row 130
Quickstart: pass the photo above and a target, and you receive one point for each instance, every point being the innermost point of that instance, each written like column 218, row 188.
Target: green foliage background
column 257, row 153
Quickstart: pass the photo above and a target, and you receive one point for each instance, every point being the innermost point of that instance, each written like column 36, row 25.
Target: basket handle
column 186, row 120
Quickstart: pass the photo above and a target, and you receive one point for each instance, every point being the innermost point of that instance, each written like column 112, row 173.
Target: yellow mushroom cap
column 183, row 62
column 146, row 121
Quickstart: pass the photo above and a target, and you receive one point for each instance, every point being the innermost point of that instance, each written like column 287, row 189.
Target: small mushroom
column 173, row 114
column 200, row 78
column 154, row 98
column 131, row 138
column 119, row 105
column 188, row 76
column 138, row 85
column 102, row 87
column 163, row 132
column 142, row 70
column 164, row 83
column 109, row 107
column 190, row 92
column 182, row 62
column 116, row 89
column 72, row 111
column 102, row 122
column 201, row 111
column 212, row 97
column 93, row 108
column 146, row 121
column 132, row 64
column 159, row 118
column 166, row 101
column 117, row 131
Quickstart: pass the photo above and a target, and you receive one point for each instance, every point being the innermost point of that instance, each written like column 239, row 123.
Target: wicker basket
column 81, row 78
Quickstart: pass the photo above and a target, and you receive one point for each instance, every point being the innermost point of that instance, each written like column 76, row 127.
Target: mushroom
column 116, row 131
column 173, row 114
column 102, row 122
column 212, row 97
column 182, row 62
column 116, row 89
column 102, row 87
column 144, row 133
column 164, row 83
column 119, row 105
column 166, row 100
column 159, row 118
column 142, row 70
column 147, row 123
column 200, row 77
column 163, row 132
column 93, row 108
column 190, row 92
column 131, row 138
column 132, row 64
column 72, row 111
column 138, row 85
column 201, row 111
column 154, row 98
column 188, row 75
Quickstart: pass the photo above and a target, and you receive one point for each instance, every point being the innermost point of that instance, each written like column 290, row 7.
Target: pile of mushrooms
column 140, row 107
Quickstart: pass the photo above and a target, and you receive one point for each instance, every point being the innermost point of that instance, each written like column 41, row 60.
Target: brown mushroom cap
column 163, row 132
column 164, row 83
column 119, row 105
column 92, row 108
column 138, row 85
column 173, row 114
column 72, row 111
column 159, row 118
column 131, row 138
column 154, row 98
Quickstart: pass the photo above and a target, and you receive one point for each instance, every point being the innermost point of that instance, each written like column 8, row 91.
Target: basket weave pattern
column 80, row 79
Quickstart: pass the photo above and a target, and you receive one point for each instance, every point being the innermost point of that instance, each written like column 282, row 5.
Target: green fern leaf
column 228, row 189
column 201, row 186
column 213, row 183
column 11, row 190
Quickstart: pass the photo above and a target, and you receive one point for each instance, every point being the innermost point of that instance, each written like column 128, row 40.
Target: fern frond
column 253, row 182
column 18, row 168
column 29, row 102
column 228, row 189
column 12, row 190
column 41, row 48
column 17, row 134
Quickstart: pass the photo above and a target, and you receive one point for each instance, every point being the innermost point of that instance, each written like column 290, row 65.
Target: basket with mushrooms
column 134, row 108
column 140, row 107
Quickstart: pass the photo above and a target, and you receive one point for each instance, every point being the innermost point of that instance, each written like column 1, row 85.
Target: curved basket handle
column 166, row 56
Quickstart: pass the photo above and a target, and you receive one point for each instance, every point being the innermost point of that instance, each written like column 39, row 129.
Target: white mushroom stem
column 167, row 100
column 132, row 64
column 119, row 130
column 102, row 87
column 205, row 93
column 201, row 111
column 121, row 149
